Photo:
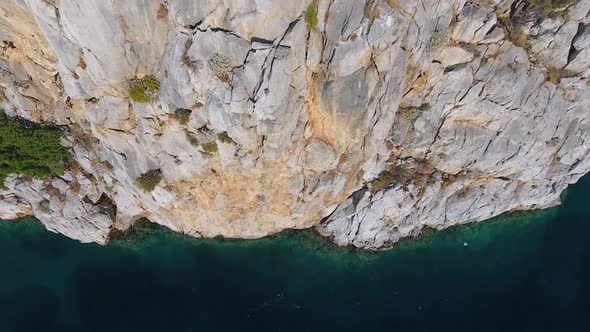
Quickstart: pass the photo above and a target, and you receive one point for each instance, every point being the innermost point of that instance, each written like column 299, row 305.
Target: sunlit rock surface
column 382, row 119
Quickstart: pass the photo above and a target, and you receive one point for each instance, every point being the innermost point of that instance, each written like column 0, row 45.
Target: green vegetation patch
column 149, row 180
column 552, row 6
column 30, row 149
column 210, row 147
column 182, row 115
column 311, row 15
column 224, row 138
column 142, row 90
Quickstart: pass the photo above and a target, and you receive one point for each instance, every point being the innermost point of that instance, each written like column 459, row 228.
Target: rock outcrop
column 370, row 120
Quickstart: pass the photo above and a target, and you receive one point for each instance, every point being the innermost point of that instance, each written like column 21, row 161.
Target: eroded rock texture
column 385, row 117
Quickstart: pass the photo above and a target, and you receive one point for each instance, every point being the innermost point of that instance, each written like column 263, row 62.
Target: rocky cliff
column 366, row 119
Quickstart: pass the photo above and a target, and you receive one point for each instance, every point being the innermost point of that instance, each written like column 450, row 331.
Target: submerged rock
column 471, row 108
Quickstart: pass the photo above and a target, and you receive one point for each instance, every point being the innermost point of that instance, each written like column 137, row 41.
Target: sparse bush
column 224, row 138
column 192, row 139
column 204, row 130
column 410, row 114
column 75, row 186
column 182, row 115
column 210, row 147
column 30, row 149
column 519, row 38
column 384, row 180
column 554, row 74
column 149, row 180
column 108, row 165
column 552, row 6
column 221, row 67
column 142, row 90
column 311, row 15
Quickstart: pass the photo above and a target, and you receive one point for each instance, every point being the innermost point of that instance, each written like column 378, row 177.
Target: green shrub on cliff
column 183, row 116
column 552, row 6
column 149, row 180
column 142, row 90
column 210, row 147
column 311, row 15
column 30, row 149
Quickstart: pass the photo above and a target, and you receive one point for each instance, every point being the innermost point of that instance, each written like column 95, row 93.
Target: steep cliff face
column 367, row 119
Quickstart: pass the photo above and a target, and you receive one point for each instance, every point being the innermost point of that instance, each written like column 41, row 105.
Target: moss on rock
column 311, row 15
column 210, row 147
column 142, row 90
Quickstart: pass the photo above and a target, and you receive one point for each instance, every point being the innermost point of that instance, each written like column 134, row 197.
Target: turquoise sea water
column 524, row 272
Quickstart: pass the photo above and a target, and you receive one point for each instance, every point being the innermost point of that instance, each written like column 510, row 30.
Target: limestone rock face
column 385, row 117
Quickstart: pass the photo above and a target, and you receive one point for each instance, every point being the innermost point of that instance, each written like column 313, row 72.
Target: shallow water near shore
column 522, row 272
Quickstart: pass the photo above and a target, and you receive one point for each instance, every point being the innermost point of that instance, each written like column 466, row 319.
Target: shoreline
column 143, row 231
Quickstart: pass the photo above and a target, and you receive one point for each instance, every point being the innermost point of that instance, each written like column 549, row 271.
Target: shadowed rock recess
column 369, row 120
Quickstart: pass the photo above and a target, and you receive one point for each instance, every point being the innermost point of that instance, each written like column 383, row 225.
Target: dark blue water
column 525, row 272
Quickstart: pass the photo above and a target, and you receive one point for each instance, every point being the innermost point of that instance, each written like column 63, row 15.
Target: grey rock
column 293, row 126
